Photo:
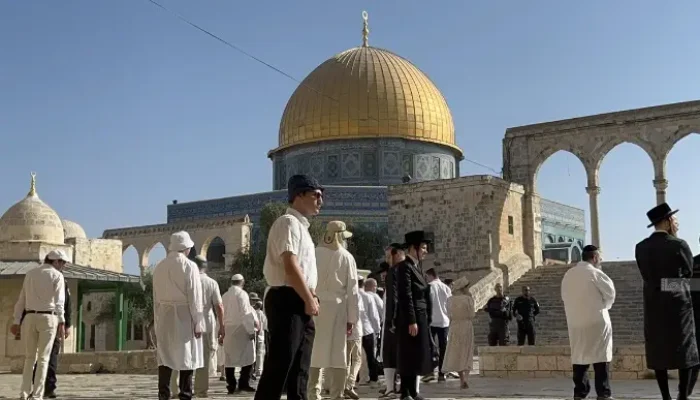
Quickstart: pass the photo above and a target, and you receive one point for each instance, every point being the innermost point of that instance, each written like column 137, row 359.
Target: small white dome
column 73, row 230
column 31, row 220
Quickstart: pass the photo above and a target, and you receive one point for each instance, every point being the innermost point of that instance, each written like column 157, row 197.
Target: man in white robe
column 337, row 293
column 588, row 293
column 240, row 326
column 179, row 317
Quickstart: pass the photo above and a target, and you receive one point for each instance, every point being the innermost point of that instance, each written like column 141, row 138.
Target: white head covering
column 237, row 277
column 58, row 254
column 180, row 241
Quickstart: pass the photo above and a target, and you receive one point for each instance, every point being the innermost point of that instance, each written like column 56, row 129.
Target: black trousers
column 409, row 385
column 164, row 375
column 684, row 386
column 440, row 335
column 50, row 383
column 693, row 379
column 526, row 328
column 369, row 343
column 499, row 333
column 244, row 382
column 291, row 333
column 602, row 380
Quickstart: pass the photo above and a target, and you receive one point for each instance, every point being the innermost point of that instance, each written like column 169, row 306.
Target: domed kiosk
column 366, row 117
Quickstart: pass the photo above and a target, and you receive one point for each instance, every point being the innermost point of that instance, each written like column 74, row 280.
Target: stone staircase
column 545, row 285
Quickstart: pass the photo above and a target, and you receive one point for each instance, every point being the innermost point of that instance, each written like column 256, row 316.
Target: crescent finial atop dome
column 365, row 29
column 32, row 186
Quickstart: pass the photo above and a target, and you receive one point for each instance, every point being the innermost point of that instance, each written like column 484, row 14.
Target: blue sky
column 120, row 108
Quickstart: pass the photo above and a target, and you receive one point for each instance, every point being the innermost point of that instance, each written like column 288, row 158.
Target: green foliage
column 138, row 302
column 367, row 245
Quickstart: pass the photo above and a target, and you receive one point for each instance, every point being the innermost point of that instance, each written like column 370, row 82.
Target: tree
column 139, row 306
column 367, row 245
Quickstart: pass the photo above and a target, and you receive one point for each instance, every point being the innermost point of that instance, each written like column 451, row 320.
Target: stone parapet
column 116, row 362
column 518, row 362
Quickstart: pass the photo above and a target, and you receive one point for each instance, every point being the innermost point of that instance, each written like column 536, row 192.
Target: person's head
column 237, row 280
column 662, row 218
column 57, row 258
column 397, row 253
column 336, row 235
column 361, row 282
column 526, row 291
column 371, row 285
column 592, row 255
column 305, row 194
column 181, row 243
column 499, row 289
column 201, row 262
column 448, row 282
column 461, row 286
column 257, row 305
column 431, row 275
column 417, row 244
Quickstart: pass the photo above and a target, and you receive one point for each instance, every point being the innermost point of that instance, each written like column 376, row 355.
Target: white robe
column 178, row 313
column 240, row 322
column 588, row 293
column 338, row 305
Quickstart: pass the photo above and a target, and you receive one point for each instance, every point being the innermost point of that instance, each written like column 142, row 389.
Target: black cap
column 589, row 248
column 416, row 238
column 659, row 213
column 299, row 184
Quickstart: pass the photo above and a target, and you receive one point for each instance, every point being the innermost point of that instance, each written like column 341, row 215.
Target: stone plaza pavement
column 140, row 387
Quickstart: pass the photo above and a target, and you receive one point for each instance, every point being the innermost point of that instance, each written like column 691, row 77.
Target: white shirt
column 357, row 332
column 290, row 232
column 44, row 289
column 237, row 308
column 370, row 316
column 439, row 293
column 379, row 303
column 211, row 297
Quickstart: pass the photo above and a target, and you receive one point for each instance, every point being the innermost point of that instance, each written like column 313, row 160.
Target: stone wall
column 30, row 251
column 476, row 223
column 103, row 254
column 116, row 362
column 555, row 361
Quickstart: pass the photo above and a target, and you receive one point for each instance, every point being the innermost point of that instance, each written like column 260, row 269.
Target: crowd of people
column 320, row 326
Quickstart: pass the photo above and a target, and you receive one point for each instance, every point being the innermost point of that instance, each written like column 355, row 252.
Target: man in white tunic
column 337, row 293
column 240, row 324
column 179, row 317
column 588, row 293
column 42, row 298
column 260, row 337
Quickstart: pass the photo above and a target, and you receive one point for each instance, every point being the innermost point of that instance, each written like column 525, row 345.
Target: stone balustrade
column 116, row 362
column 555, row 361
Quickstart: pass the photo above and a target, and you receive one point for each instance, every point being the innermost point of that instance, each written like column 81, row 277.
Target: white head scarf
column 180, row 241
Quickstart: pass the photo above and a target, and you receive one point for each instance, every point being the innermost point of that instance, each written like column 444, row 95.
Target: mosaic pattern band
column 367, row 162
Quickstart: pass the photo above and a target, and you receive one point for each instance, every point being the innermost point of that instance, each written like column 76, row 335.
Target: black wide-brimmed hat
column 299, row 184
column 659, row 213
column 383, row 267
column 416, row 238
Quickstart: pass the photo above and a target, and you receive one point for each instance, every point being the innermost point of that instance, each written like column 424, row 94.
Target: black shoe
column 247, row 389
column 50, row 395
column 441, row 378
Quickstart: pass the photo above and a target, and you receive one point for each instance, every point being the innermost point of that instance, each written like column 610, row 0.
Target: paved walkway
column 141, row 387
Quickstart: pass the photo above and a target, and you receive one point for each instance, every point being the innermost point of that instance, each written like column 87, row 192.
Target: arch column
column 593, row 192
column 661, row 185
column 228, row 261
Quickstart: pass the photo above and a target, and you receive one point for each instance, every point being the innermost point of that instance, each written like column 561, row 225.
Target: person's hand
column 519, row 317
column 413, row 329
column 61, row 332
column 14, row 329
column 222, row 335
column 349, row 329
column 312, row 307
column 67, row 333
column 197, row 334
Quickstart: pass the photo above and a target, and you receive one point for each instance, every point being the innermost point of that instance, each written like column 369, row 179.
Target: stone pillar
column 532, row 230
column 593, row 192
column 661, row 185
column 228, row 261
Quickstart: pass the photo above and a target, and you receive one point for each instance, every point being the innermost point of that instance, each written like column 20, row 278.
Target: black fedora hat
column 415, row 238
column 659, row 213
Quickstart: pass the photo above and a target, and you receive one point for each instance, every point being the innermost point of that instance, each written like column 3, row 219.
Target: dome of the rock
column 73, row 230
column 31, row 220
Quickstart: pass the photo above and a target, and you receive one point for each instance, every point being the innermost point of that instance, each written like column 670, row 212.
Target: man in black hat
column 389, row 346
column 290, row 302
column 665, row 263
column 416, row 355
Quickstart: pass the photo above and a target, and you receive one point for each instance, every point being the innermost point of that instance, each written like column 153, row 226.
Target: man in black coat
column 416, row 351
column 666, row 263
column 389, row 346
column 525, row 309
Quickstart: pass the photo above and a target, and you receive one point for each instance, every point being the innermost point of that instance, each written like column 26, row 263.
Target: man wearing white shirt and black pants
column 440, row 325
column 43, row 298
column 290, row 302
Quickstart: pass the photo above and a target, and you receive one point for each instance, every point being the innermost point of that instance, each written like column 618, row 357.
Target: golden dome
column 72, row 230
column 366, row 92
column 31, row 220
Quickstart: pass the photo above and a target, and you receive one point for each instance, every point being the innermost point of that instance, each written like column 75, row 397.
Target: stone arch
column 542, row 157
column 129, row 258
column 214, row 249
column 146, row 257
column 603, row 150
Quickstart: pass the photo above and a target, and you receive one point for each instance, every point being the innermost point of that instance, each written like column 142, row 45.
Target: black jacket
column 666, row 263
column 526, row 307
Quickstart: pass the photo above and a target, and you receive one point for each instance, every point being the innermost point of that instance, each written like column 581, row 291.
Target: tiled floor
column 138, row 387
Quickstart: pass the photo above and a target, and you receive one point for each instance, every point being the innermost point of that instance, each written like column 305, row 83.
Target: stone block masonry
column 515, row 362
column 117, row 362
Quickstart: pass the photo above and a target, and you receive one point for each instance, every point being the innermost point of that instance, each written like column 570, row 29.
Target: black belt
column 42, row 312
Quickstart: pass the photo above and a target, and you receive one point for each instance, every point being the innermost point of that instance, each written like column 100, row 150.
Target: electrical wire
column 276, row 69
